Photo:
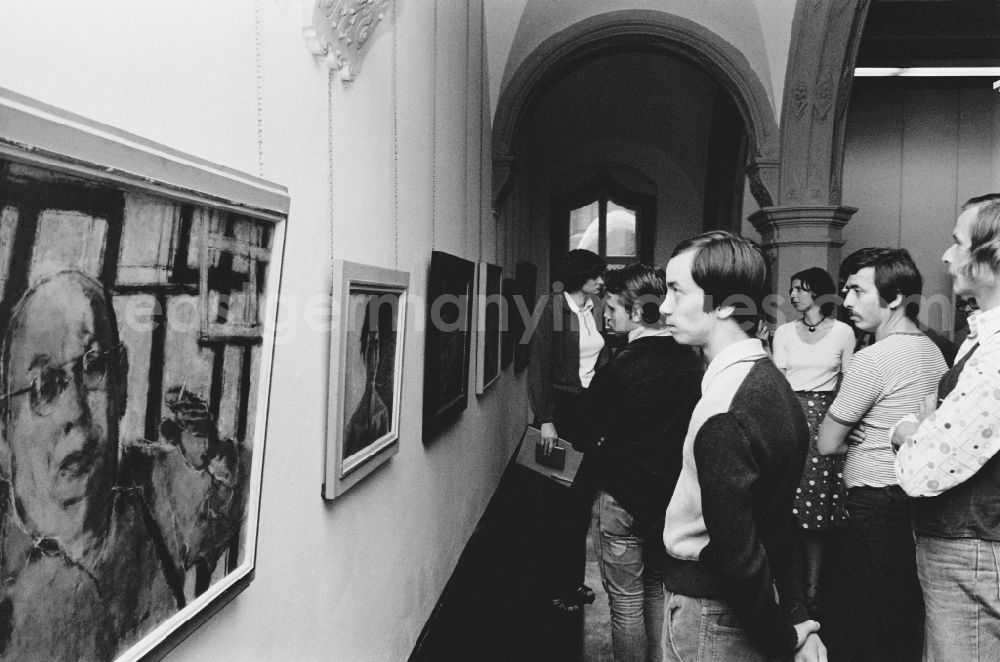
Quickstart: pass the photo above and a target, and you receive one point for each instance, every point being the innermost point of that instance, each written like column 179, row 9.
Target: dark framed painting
column 526, row 275
column 447, row 343
column 510, row 323
column 366, row 371
column 489, row 314
column 138, row 295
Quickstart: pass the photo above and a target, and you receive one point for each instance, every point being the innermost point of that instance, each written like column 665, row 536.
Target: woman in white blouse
column 567, row 348
column 813, row 352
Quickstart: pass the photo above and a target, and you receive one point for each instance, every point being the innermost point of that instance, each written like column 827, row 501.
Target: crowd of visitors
column 719, row 459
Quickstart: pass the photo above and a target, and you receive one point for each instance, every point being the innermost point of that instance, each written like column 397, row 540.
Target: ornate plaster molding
column 338, row 30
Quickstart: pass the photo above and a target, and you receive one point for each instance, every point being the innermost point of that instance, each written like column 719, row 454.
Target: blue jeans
column 705, row 630
column 632, row 574
column 886, row 612
column 960, row 579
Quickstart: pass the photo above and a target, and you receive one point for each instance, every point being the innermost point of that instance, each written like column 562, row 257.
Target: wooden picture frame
column 489, row 315
column 109, row 246
column 366, row 372
column 447, row 345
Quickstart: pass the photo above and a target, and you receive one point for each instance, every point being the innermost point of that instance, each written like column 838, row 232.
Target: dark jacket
column 749, row 462
column 637, row 412
column 555, row 355
column 970, row 509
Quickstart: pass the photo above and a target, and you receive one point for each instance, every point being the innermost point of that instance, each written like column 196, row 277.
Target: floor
column 492, row 610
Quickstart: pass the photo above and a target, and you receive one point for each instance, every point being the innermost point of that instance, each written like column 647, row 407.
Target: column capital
column 803, row 225
column 798, row 237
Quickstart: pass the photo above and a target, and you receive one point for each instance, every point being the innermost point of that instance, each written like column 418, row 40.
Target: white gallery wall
column 381, row 171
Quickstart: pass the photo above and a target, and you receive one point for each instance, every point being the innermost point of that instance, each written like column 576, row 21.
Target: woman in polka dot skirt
column 813, row 353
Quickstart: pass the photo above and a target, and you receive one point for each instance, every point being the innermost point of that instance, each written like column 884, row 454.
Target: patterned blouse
column 952, row 444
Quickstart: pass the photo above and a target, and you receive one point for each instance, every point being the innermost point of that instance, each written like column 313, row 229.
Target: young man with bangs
column 728, row 526
column 948, row 460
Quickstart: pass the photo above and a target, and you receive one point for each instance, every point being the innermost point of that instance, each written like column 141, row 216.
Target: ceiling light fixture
column 927, row 72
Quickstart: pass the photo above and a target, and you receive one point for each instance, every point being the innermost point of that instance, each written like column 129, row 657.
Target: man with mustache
column 92, row 559
column 885, row 381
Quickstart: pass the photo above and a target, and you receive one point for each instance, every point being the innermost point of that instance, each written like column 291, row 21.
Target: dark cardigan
column 637, row 412
column 749, row 462
column 555, row 355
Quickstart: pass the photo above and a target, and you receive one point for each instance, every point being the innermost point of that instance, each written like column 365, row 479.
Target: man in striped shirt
column 886, row 381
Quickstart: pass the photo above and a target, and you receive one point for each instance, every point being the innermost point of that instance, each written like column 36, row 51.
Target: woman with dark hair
column 567, row 347
column 813, row 352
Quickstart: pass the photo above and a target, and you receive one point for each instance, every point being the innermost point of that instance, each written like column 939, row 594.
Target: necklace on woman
column 812, row 327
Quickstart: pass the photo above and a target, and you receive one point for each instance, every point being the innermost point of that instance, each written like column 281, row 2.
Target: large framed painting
column 447, row 342
column 489, row 314
column 366, row 368
column 526, row 275
column 138, row 292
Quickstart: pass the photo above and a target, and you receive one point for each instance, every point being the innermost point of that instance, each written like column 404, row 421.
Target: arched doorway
column 642, row 96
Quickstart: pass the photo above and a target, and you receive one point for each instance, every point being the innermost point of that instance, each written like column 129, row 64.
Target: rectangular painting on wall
column 526, row 275
column 447, row 341
column 489, row 312
column 366, row 368
column 138, row 293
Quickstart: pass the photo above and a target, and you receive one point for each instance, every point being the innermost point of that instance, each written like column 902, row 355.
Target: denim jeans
column 886, row 611
column 960, row 579
column 705, row 630
column 632, row 574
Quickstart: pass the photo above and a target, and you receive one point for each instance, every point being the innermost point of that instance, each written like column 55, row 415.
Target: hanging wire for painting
column 434, row 80
column 395, row 145
column 465, row 178
column 259, row 64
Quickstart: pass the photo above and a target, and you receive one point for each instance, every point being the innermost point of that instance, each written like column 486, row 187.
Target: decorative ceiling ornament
column 338, row 30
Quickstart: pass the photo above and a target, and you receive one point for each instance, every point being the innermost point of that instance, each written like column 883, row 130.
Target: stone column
column 796, row 238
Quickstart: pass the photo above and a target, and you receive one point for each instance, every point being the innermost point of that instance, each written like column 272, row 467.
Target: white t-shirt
column 812, row 361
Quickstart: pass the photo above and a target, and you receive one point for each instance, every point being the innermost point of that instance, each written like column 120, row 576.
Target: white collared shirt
column 591, row 340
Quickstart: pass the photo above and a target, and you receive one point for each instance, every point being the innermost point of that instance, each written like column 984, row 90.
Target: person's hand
column 811, row 650
column 903, row 432
column 856, row 435
column 549, row 437
column 802, row 632
column 928, row 406
column 763, row 334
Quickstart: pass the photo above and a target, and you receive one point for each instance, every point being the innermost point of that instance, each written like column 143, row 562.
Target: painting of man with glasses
column 97, row 532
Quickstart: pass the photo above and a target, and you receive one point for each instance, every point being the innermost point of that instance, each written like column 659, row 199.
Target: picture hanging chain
column 259, row 66
column 331, row 75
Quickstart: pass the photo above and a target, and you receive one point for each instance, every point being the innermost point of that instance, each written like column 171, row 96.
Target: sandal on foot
column 566, row 605
column 585, row 594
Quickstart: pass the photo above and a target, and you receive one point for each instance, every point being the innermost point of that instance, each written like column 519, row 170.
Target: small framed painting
column 366, row 366
column 489, row 308
column 447, row 341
